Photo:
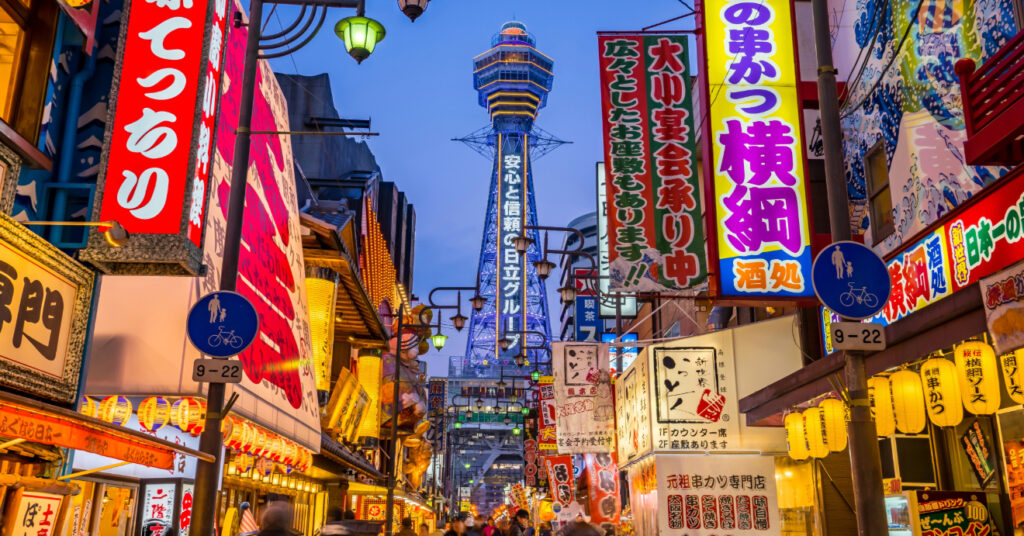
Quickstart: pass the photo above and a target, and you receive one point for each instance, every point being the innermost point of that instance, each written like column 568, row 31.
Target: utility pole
column 865, row 461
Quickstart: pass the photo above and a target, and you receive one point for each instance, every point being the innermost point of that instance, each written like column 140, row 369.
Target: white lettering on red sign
column 152, row 138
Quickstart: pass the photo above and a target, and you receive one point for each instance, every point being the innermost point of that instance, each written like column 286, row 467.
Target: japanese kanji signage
column 158, row 501
column 159, row 148
column 603, row 488
column 753, row 150
column 185, row 514
column 511, row 303
column 655, row 230
column 560, row 476
column 626, row 306
column 693, row 398
column 952, row 513
column 535, row 471
column 632, row 411
column 547, row 439
column 583, row 398
column 1003, row 295
column 978, row 449
column 719, row 494
column 34, row 514
column 587, row 322
column 44, row 310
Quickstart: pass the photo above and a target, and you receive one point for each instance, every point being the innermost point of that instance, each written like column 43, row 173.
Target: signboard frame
column 37, row 251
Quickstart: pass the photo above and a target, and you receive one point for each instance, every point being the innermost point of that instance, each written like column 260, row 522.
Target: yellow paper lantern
column 814, row 432
column 1013, row 374
column 321, row 294
column 89, row 407
column 941, row 392
column 880, row 396
column 796, row 440
column 834, row 417
column 979, row 381
column 185, row 414
column 243, row 462
column 154, row 413
column 115, row 409
column 908, row 401
column 370, row 367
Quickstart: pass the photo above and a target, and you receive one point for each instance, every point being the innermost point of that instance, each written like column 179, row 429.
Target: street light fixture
column 479, row 403
column 459, row 321
column 360, row 35
column 478, row 302
column 535, row 375
column 544, row 268
column 413, row 8
column 438, row 339
column 522, row 243
column 567, row 293
column 505, row 342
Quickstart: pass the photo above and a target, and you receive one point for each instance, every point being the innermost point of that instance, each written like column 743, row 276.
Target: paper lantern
column 243, row 462
column 89, row 407
column 264, row 467
column 1013, row 374
column 941, row 392
column 796, row 439
column 908, row 401
column 880, row 397
column 185, row 414
column 154, row 413
column 322, row 293
column 834, row 417
column 369, row 374
column 979, row 381
column 259, row 444
column 814, row 432
column 115, row 409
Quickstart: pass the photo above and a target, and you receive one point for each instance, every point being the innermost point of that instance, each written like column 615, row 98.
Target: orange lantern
column 259, row 442
column 185, row 414
column 154, row 413
column 243, row 462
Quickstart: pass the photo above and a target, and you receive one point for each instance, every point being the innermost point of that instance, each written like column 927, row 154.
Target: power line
column 875, row 30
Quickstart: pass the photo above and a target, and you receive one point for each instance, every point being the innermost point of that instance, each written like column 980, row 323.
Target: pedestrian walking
column 489, row 527
column 502, row 527
column 458, row 522
column 277, row 520
column 520, row 524
column 406, row 529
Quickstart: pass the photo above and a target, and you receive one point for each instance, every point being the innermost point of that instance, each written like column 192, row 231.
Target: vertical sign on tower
column 754, row 159
column 656, row 235
column 511, row 306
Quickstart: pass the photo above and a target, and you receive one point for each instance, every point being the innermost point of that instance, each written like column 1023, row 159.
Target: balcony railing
column 993, row 100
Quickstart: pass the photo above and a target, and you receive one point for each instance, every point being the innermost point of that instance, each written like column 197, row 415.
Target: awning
column 31, row 420
column 338, row 453
column 358, row 488
column 937, row 326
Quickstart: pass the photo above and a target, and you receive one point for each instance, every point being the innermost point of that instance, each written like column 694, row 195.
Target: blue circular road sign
column 222, row 324
column 851, row 279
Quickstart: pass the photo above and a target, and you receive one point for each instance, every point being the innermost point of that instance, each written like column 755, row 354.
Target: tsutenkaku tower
column 512, row 80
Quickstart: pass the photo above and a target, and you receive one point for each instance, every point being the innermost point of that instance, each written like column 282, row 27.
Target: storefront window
column 27, row 30
column 116, row 512
column 794, row 483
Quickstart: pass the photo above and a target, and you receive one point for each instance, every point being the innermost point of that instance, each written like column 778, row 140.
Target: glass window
column 876, row 168
column 27, row 30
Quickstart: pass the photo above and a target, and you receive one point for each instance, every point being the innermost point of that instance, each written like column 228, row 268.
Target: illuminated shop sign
column 511, row 306
column 754, row 139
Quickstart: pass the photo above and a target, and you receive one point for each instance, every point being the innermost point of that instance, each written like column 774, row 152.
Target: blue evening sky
column 417, row 88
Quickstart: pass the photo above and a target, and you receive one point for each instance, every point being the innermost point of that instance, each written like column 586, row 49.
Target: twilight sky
column 417, row 88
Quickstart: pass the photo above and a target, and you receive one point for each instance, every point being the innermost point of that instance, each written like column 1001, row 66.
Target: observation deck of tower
column 512, row 80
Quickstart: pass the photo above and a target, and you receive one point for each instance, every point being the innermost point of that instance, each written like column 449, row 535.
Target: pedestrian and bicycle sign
column 850, row 279
column 222, row 324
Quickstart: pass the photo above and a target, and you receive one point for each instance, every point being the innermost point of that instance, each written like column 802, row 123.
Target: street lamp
column 438, row 339
column 505, row 342
column 522, row 243
column 478, row 302
column 459, row 321
column 360, row 35
column 567, row 293
column 479, row 403
column 543, row 268
column 535, row 375
column 413, row 8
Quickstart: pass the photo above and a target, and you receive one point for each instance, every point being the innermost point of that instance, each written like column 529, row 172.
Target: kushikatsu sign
column 655, row 231
column 165, row 104
column 754, row 139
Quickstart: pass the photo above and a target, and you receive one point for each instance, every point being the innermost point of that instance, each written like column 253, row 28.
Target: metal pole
column 393, row 465
column 618, row 332
column 865, row 461
column 204, row 512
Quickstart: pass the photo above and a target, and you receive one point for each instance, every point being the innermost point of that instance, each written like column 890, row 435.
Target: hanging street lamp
column 567, row 293
column 544, row 268
column 438, row 339
column 478, row 302
column 413, row 8
column 459, row 321
column 522, row 243
column 360, row 35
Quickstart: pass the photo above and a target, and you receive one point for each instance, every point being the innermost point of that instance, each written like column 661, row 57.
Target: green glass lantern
column 438, row 340
column 535, row 375
column 360, row 35
column 515, row 431
column 458, row 425
column 526, row 411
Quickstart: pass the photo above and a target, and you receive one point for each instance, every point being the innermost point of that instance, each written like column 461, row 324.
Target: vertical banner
column 511, row 304
column 603, row 486
column 1004, row 307
column 626, row 306
column 535, row 472
column 547, row 439
column 717, row 495
column 560, row 476
column 655, row 230
column 753, row 150
column 587, row 323
column 633, row 411
column 154, row 180
column 584, row 409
